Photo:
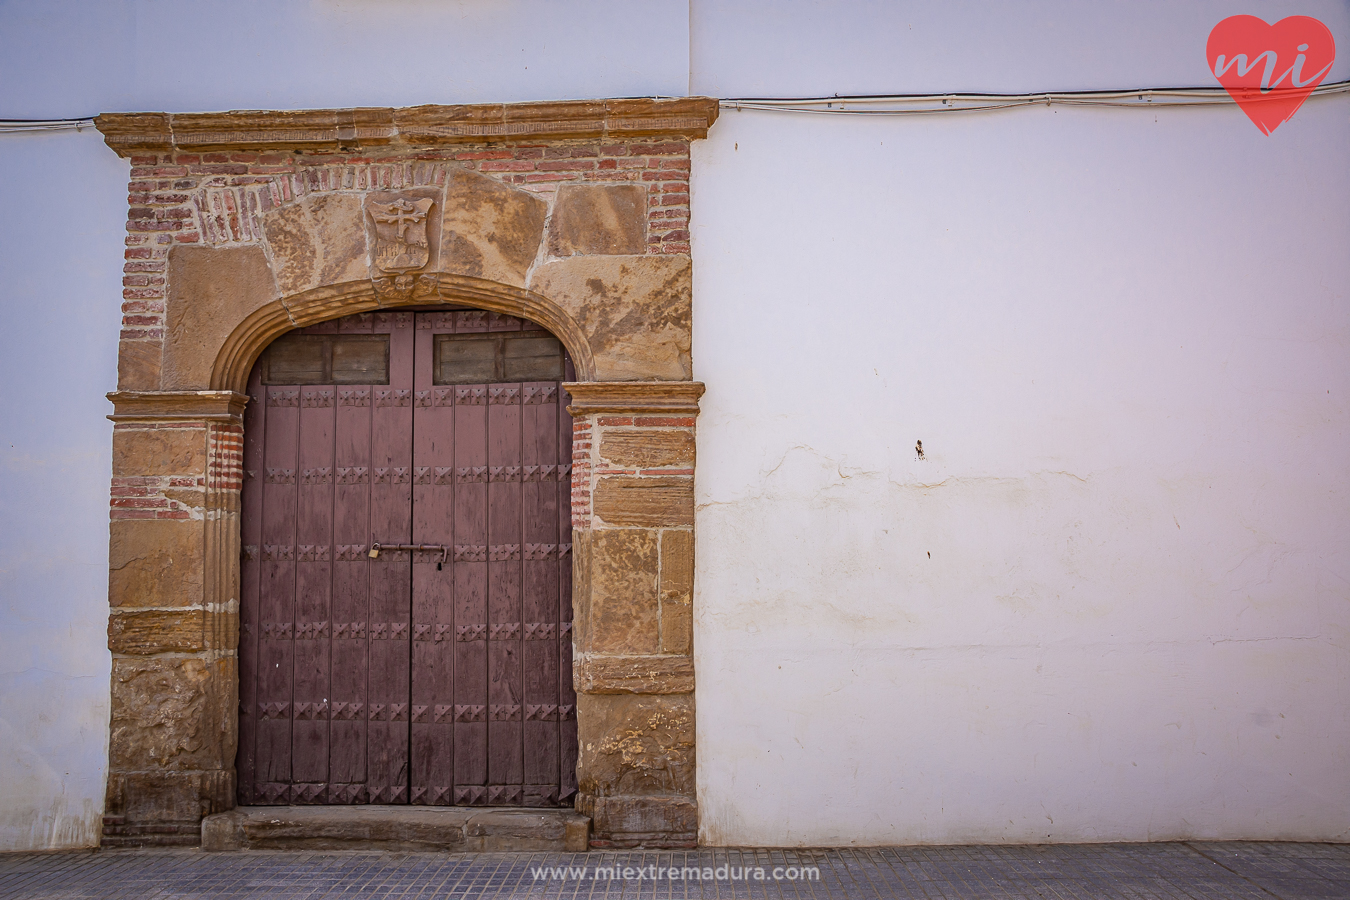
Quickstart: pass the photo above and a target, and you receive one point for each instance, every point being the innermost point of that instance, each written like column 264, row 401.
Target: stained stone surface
column 623, row 597
column 138, row 365
column 631, row 500
column 159, row 714
column 210, row 292
column 155, row 562
column 649, row 448
column 634, row 674
column 145, row 632
column 438, row 828
column 636, row 744
column 490, row 230
column 159, row 451
column 634, row 310
column 595, row 219
column 677, row 587
column 319, row 240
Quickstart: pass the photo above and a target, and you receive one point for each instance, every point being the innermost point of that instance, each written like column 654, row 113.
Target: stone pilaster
column 633, row 519
column 173, row 617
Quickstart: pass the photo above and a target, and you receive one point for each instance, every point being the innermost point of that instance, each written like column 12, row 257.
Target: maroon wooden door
column 406, row 596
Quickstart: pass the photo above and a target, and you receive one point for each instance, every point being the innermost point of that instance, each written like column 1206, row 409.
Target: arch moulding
column 243, row 226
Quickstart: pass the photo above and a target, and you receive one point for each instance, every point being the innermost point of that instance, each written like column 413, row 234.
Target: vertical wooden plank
column 567, row 698
column 313, row 603
column 249, row 572
column 276, row 598
column 433, row 619
column 470, row 579
column 506, row 676
column 540, row 524
column 390, row 575
column 348, row 701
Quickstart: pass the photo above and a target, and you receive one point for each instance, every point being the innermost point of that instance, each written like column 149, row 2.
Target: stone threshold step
column 449, row 828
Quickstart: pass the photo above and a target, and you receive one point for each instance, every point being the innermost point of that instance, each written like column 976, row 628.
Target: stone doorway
column 406, row 596
column 245, row 226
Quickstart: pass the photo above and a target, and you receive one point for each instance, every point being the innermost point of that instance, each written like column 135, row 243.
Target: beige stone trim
column 211, row 406
column 354, row 129
column 635, row 398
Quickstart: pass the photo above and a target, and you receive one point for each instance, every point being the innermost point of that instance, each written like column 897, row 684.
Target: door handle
column 376, row 547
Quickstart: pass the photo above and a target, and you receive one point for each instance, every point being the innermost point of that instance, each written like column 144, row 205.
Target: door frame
column 178, row 432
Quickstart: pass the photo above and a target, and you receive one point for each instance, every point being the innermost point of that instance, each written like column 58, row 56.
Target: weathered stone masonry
column 245, row 225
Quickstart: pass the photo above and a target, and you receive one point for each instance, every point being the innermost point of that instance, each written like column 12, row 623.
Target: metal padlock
column 374, row 551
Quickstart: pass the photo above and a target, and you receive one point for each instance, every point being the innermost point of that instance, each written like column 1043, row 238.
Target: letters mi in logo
column 401, row 243
column 1270, row 69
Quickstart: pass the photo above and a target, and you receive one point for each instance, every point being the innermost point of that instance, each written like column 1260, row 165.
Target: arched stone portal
column 246, row 225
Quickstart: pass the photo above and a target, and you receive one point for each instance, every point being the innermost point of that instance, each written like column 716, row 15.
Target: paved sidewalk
column 1223, row 871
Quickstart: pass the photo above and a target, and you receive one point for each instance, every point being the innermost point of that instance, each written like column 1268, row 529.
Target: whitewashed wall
column 1112, row 601
column 64, row 198
column 1121, row 338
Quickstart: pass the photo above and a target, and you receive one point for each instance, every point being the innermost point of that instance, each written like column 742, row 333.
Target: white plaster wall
column 1122, row 340
column 64, row 198
column 1112, row 601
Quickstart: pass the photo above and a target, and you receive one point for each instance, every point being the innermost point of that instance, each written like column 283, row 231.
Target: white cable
column 939, row 103
column 18, row 126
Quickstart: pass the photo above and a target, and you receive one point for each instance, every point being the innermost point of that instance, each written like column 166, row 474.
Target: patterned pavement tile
column 1178, row 871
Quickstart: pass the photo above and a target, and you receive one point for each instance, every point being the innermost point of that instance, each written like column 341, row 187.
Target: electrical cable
column 923, row 104
column 908, row 104
column 19, row 126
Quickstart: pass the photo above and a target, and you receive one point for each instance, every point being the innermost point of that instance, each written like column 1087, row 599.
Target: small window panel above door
column 488, row 358
column 327, row 359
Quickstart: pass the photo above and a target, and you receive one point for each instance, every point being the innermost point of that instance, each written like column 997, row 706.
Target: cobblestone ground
column 1225, row 871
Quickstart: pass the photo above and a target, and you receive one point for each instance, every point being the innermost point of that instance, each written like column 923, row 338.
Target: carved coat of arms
column 401, row 240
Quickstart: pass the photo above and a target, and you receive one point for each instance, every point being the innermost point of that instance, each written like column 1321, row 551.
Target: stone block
column 210, row 292
column 138, row 365
column 634, row 311
column 160, row 714
column 159, row 451
column 150, row 631
column 652, row 502
column 644, row 822
column 155, row 562
column 677, row 591
column 649, row 449
column 581, row 586
column 635, row 744
column 596, row 219
column 634, row 675
column 624, row 609
column 319, row 240
column 396, row 828
column 160, row 797
column 490, row 230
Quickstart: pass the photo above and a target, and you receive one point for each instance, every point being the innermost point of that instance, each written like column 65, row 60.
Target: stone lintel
column 652, row 398
column 634, row 674
column 211, row 406
column 418, row 126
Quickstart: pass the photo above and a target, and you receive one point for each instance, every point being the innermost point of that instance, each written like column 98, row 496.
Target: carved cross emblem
column 400, row 234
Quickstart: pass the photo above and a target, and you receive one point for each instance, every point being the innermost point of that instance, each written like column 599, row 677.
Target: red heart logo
column 1270, row 69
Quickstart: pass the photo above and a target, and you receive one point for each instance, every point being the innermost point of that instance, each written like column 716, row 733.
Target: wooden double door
column 406, row 575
